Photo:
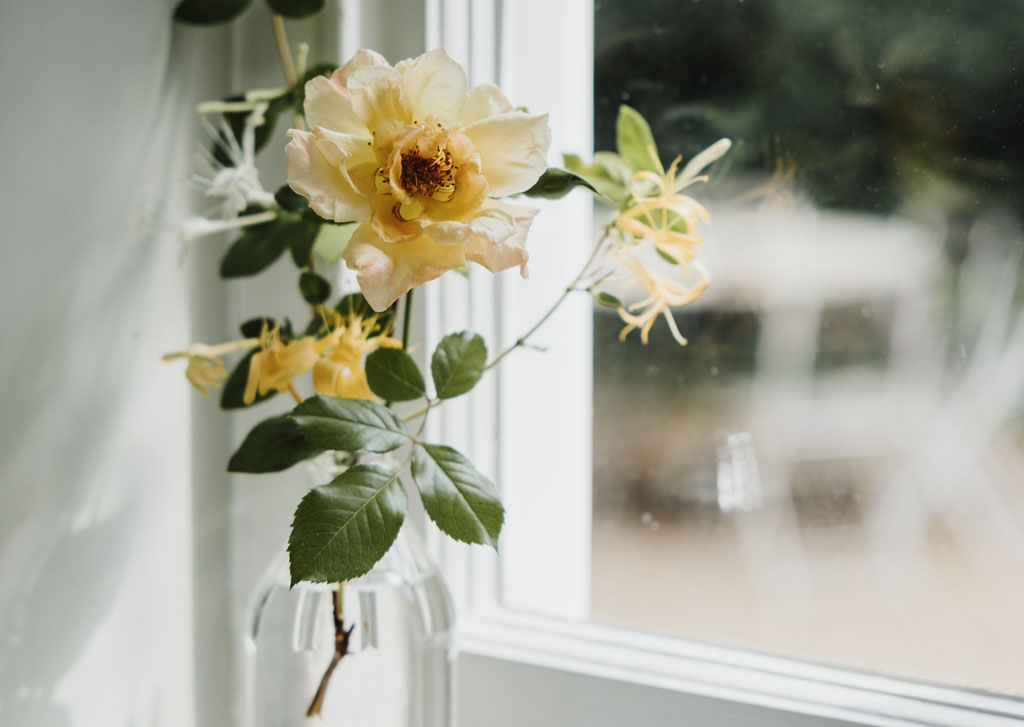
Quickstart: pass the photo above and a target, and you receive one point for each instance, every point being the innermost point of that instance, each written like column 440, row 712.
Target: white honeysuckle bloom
column 418, row 158
column 237, row 185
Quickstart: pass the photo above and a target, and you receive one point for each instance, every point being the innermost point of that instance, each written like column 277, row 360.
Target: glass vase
column 397, row 670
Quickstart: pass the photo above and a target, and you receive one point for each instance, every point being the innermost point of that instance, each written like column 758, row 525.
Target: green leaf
column 394, row 376
column 610, row 175
column 234, row 387
column 253, row 327
column 273, row 445
column 259, row 247
column 342, row 528
column 315, row 289
column 556, row 183
column 608, row 300
column 208, row 12
column 290, row 200
column 458, row 363
column 332, row 240
column 666, row 257
column 635, row 141
column 460, row 500
column 296, row 9
column 354, row 306
column 349, row 424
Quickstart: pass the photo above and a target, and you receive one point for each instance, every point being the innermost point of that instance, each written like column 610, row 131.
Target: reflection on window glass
column 833, row 468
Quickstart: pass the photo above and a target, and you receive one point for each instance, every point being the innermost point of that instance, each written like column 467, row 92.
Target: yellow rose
column 419, row 160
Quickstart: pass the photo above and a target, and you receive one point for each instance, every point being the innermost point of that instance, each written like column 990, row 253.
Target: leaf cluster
column 215, row 12
column 342, row 528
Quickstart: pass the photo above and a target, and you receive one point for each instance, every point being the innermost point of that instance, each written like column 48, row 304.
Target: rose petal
column 376, row 94
column 483, row 101
column 328, row 106
column 331, row 193
column 387, row 270
column 435, row 86
column 513, row 150
column 500, row 254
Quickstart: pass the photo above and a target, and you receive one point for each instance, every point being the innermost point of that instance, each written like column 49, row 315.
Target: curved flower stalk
column 417, row 158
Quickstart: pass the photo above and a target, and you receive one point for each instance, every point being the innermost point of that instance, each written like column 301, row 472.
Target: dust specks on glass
column 841, row 441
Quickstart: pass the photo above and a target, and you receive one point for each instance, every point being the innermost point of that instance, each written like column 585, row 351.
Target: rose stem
column 406, row 319
column 341, row 639
column 286, row 59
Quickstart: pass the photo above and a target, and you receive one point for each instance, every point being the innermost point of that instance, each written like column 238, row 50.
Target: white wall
column 95, row 463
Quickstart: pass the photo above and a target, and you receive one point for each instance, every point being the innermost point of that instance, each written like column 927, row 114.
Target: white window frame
column 556, row 669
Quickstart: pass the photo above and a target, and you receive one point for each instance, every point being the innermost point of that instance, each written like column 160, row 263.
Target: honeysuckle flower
column 205, row 369
column 663, row 294
column 277, row 363
column 417, row 158
column 237, row 185
column 341, row 371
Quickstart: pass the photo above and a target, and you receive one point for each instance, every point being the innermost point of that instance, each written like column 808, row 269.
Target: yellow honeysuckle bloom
column 663, row 293
column 278, row 363
column 341, row 372
column 205, row 369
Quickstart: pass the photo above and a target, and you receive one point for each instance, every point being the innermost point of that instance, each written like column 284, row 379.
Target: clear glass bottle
column 398, row 670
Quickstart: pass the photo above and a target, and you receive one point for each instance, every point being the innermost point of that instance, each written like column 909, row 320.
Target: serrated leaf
column 208, row 12
column 315, row 289
column 234, row 388
column 342, row 528
column 461, row 501
column 273, row 445
column 349, row 424
column 332, row 239
column 458, row 363
column 634, row 140
column 394, row 376
column 555, row 183
column 608, row 300
column 296, row 9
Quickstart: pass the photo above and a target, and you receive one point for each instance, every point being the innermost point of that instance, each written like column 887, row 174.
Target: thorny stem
column 341, row 639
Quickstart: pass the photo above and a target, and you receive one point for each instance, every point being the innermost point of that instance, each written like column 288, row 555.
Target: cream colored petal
column 435, row 86
column 329, row 106
column 329, row 190
column 483, row 101
column 513, row 150
column 696, row 165
column 498, row 253
column 376, row 94
column 387, row 270
column 361, row 59
column 352, row 155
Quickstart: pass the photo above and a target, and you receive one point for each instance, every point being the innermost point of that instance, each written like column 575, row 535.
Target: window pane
column 833, row 468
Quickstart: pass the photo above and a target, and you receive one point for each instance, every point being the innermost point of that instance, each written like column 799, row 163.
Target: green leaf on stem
column 315, row 289
column 342, row 528
column 253, row 327
column 296, row 9
column 394, row 376
column 635, row 141
column 273, row 445
column 556, row 183
column 461, row 501
column 259, row 247
column 349, row 424
column 234, row 388
column 208, row 12
column 609, row 174
column 608, row 300
column 458, row 363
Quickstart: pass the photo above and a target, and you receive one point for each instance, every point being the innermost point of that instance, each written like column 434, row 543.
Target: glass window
column 833, row 468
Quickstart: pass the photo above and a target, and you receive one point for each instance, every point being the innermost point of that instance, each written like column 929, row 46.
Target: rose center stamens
column 429, row 177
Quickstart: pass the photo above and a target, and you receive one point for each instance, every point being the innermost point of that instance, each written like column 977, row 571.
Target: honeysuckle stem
column 572, row 287
column 407, row 318
column 286, row 60
column 202, row 226
column 295, row 394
